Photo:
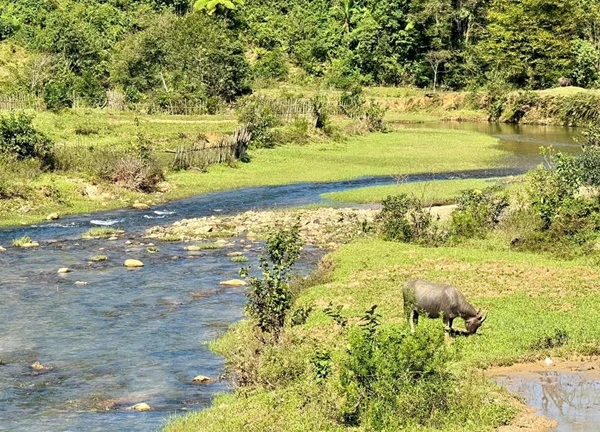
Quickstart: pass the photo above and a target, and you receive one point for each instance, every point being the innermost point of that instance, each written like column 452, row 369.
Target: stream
column 139, row 335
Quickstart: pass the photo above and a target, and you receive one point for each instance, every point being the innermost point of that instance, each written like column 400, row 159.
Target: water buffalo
column 434, row 299
column 564, row 82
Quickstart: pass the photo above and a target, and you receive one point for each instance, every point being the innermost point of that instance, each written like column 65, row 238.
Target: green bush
column 392, row 379
column 403, row 218
column 477, row 212
column 20, row 139
column 270, row 298
column 550, row 186
column 257, row 113
column 373, row 116
column 296, row 133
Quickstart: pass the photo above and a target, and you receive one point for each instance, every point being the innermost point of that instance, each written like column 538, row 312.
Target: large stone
column 64, row 270
column 233, row 282
column 140, row 206
column 201, row 379
column 52, row 216
column 140, row 407
column 132, row 263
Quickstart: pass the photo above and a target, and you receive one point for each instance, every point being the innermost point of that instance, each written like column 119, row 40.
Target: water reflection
column 573, row 400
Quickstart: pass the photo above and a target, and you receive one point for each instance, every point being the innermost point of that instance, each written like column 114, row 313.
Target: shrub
column 270, row 297
column 373, row 116
column 352, row 102
column 392, row 379
column 403, row 218
column 550, row 186
column 20, row 139
column 293, row 133
column 133, row 173
column 258, row 115
column 478, row 211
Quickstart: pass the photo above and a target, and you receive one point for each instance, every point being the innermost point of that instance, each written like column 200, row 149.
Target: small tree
column 270, row 297
column 436, row 59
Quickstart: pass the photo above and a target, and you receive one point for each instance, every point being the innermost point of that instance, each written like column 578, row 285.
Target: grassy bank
column 401, row 152
column 538, row 307
column 438, row 192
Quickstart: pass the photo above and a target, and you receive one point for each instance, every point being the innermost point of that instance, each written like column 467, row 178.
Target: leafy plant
column 269, row 298
column 403, row 218
column 336, row 314
column 322, row 365
column 478, row 211
column 300, row 315
column 392, row 379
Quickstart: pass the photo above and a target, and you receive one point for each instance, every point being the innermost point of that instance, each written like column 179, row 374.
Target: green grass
column 239, row 259
column 99, row 258
column 19, row 242
column 93, row 233
column 530, row 298
column 402, row 152
column 119, row 129
column 431, row 193
column 203, row 246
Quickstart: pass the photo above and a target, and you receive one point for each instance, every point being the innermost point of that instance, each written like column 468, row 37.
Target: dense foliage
column 172, row 49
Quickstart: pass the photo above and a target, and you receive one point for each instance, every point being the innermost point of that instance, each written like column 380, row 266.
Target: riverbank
column 395, row 153
column 531, row 300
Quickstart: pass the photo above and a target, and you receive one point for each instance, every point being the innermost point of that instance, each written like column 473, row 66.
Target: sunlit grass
column 438, row 192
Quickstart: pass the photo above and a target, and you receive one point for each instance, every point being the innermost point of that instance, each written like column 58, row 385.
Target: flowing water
column 130, row 336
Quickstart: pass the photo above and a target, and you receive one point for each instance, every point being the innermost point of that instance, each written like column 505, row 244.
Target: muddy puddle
column 570, row 398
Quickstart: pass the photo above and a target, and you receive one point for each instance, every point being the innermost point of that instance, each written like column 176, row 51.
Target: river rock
column 140, row 407
column 140, row 206
column 64, row 270
column 2, row 249
column 131, row 263
column 80, row 283
column 193, row 248
column 235, row 254
column 221, row 242
column 38, row 366
column 52, row 216
column 30, row 245
column 201, row 379
column 113, row 238
column 233, row 282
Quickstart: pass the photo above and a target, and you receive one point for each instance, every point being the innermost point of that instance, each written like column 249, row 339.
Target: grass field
column 437, row 192
column 538, row 307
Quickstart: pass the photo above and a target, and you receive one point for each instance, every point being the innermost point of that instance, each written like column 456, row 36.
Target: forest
column 214, row 51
